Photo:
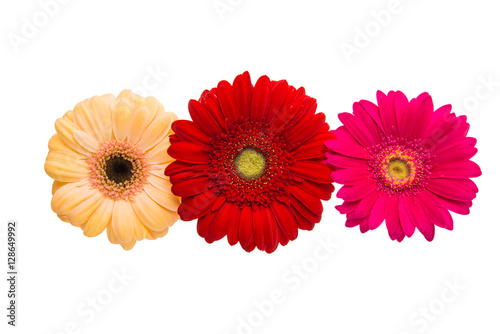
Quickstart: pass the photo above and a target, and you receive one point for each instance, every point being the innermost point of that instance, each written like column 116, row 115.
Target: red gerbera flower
column 404, row 163
column 251, row 164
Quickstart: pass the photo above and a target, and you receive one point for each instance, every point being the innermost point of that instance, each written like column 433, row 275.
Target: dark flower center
column 119, row 169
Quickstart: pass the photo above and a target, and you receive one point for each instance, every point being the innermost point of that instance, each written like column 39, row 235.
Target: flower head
column 405, row 163
column 107, row 159
column 251, row 163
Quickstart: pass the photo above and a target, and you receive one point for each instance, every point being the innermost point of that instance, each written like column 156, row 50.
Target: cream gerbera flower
column 107, row 160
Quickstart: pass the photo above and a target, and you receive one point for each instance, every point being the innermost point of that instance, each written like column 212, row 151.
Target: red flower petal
column 196, row 206
column 261, row 99
column 227, row 103
column 219, row 227
column 188, row 152
column 285, row 219
column 203, row 119
column 191, row 186
column 187, row 131
column 321, row 190
column 245, row 233
column 242, row 91
column 271, row 230
column 312, row 171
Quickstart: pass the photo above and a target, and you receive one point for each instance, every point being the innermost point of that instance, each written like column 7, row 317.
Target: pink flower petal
column 439, row 117
column 405, row 220
column 350, row 175
column 357, row 129
column 377, row 215
column 367, row 120
column 373, row 111
column 357, row 192
column 347, row 207
column 387, row 113
column 456, row 170
column 341, row 161
column 457, row 189
column 422, row 115
column 392, row 217
column 346, row 145
column 401, row 105
column 365, row 206
column 419, row 218
column 460, row 207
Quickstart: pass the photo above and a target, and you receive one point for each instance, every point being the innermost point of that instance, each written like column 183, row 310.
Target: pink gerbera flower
column 405, row 163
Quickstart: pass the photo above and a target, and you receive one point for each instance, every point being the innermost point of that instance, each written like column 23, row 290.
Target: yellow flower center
column 398, row 169
column 250, row 163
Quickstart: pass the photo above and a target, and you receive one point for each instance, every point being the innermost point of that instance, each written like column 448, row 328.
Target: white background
column 181, row 284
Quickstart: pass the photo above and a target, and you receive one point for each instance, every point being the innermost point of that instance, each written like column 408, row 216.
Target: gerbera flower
column 405, row 163
column 107, row 160
column 251, row 163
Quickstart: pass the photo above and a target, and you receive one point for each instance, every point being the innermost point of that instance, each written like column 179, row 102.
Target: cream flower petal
column 153, row 235
column 156, row 131
column 81, row 194
column 86, row 140
column 169, row 202
column 111, row 235
column 120, row 115
column 159, row 155
column 102, row 113
column 161, row 183
column 152, row 215
column 65, row 129
column 56, row 185
column 64, row 219
column 109, row 99
column 138, row 123
column 129, row 245
column 140, row 231
column 57, row 145
column 100, row 219
column 172, row 217
column 62, row 195
column 152, row 104
column 65, row 168
column 159, row 170
column 135, row 100
column 122, row 221
column 85, row 119
column 69, row 116
column 83, row 211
